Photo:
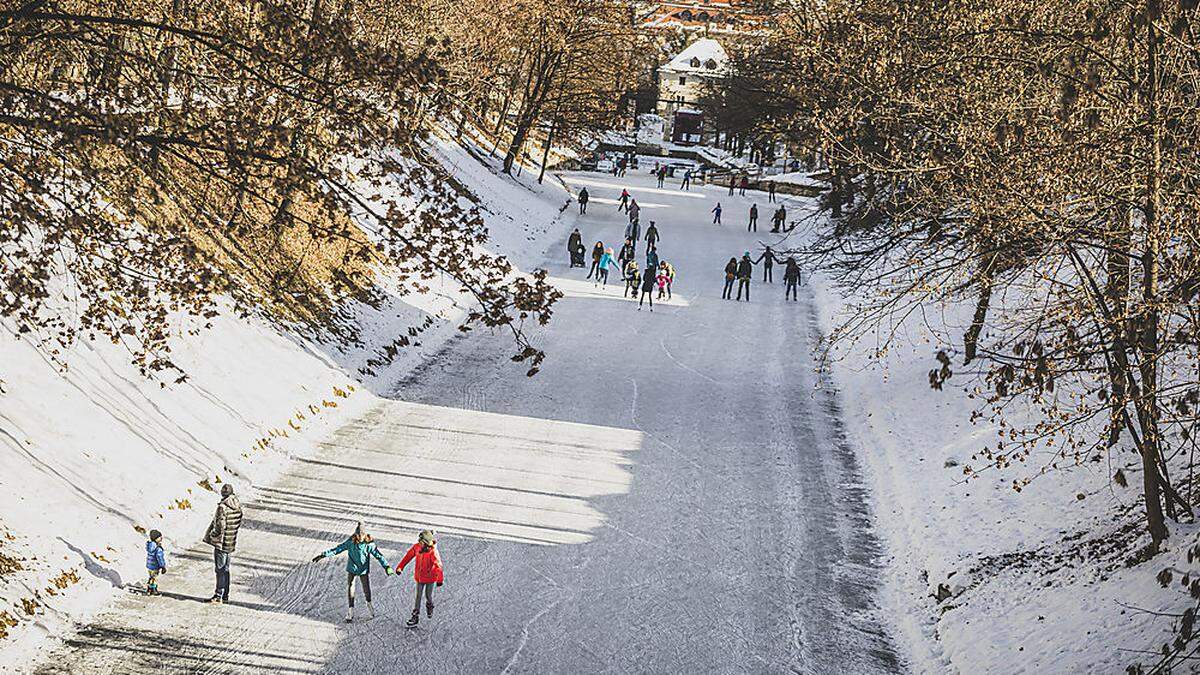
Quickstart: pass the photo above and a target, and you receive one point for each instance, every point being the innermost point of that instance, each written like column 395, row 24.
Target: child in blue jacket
column 156, row 561
column 359, row 550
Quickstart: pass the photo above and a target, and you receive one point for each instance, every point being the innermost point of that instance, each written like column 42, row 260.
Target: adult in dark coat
column 652, row 237
column 791, row 279
column 627, row 253
column 583, row 200
column 731, row 269
column 649, row 277
column 745, row 270
column 597, row 253
column 575, row 248
column 753, row 226
column 768, row 260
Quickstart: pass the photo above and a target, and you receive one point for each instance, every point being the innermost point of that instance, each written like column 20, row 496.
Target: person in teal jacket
column 359, row 549
column 606, row 261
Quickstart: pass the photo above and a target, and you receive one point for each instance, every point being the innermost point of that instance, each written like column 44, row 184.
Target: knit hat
column 359, row 530
column 226, row 489
column 426, row 538
column 155, row 535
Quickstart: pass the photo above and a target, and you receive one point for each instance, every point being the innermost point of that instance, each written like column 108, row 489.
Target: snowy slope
column 93, row 453
column 1036, row 583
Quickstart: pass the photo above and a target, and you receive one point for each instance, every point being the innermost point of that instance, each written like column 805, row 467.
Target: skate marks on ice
column 846, row 566
column 399, row 468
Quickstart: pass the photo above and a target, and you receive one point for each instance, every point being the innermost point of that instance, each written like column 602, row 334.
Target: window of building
column 710, row 64
column 695, row 62
column 682, row 81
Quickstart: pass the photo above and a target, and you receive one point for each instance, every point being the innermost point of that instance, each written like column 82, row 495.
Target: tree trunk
column 546, row 151
column 542, row 72
column 1147, row 345
column 971, row 339
column 1116, row 299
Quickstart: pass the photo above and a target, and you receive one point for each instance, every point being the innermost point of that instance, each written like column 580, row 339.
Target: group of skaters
column 641, row 282
column 741, row 271
column 742, row 183
column 644, row 283
column 359, row 548
column 778, row 219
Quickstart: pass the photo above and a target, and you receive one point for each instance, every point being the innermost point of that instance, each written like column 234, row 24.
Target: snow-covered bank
column 94, row 455
column 985, row 578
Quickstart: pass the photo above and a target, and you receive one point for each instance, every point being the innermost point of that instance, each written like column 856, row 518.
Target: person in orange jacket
column 427, row 571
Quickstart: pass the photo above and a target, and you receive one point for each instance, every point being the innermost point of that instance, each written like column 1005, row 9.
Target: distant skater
column 663, row 278
column 745, row 270
column 791, row 278
column 359, row 550
column 583, row 200
column 732, row 184
column 779, row 219
column 652, row 258
column 427, row 572
column 648, row 280
column 662, row 175
column 633, row 233
column 771, row 191
column 652, row 237
column 768, row 260
column 635, row 211
column 628, row 252
column 575, row 248
column 745, row 183
column 717, row 214
column 624, row 205
column 753, row 226
column 686, row 183
column 597, row 253
column 731, row 269
column 606, row 261
column 630, row 274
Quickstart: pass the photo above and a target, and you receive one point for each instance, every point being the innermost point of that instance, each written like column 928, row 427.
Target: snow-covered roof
column 704, row 56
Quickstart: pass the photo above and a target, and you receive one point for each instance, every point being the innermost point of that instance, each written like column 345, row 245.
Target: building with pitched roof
column 682, row 82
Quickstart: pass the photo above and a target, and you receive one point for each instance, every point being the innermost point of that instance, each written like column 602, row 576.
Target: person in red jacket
column 427, row 570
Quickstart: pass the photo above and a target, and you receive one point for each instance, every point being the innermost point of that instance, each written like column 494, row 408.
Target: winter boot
column 416, row 618
column 429, row 609
column 349, row 614
column 215, row 600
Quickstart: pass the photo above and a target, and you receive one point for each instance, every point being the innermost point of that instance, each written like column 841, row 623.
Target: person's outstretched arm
column 412, row 552
column 340, row 548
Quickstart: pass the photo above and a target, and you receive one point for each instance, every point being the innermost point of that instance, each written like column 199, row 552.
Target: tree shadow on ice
column 150, row 651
